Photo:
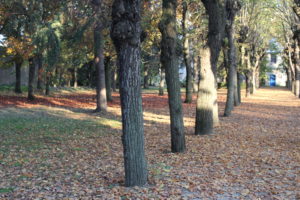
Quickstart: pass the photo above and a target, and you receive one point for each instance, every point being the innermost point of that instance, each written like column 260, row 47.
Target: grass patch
column 6, row 190
column 41, row 128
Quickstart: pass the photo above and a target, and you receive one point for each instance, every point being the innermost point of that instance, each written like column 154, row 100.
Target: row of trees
column 215, row 38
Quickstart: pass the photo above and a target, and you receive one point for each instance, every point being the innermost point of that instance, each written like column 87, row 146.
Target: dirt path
column 254, row 154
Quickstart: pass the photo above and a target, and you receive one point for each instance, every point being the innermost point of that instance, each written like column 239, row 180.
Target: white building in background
column 277, row 75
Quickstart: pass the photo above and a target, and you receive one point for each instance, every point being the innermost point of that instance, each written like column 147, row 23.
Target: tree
column 126, row 35
column 186, row 54
column 232, row 7
column 169, row 61
column 207, row 106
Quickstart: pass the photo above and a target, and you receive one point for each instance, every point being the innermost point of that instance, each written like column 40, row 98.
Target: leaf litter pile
column 56, row 148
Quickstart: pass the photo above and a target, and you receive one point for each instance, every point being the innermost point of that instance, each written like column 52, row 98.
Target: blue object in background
column 272, row 80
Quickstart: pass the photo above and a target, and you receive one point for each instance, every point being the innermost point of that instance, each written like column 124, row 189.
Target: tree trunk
column 239, row 88
column 75, row 79
column 162, row 82
column 297, row 68
column 32, row 64
column 196, row 73
column 100, row 69
column 169, row 61
column 146, row 78
column 232, row 73
column 114, row 79
column 126, row 34
column 186, row 55
column 108, row 78
column 40, row 72
column 248, row 83
column 18, row 66
column 205, row 105
column 48, row 83
column 216, row 30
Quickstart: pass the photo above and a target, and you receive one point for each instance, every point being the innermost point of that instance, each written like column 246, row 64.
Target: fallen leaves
column 255, row 153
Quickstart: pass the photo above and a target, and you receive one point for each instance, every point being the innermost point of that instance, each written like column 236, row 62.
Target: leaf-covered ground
column 56, row 148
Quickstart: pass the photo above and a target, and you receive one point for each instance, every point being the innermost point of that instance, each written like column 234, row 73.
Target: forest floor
column 57, row 148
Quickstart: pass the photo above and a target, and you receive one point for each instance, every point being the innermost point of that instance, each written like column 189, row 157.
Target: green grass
column 6, row 190
column 9, row 88
column 39, row 128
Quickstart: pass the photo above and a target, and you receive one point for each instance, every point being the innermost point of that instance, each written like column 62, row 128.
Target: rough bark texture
column 169, row 61
column 206, row 89
column 32, row 62
column 126, row 33
column 232, row 8
column 186, row 55
column 216, row 29
column 18, row 66
column 100, row 69
column 162, row 82
column 205, row 115
column 108, row 78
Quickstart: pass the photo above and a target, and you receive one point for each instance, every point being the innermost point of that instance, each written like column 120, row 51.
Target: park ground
column 57, row 148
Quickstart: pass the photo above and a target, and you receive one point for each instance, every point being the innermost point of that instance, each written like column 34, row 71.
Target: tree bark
column 186, row 55
column 169, row 61
column 206, row 90
column 18, row 66
column 196, row 73
column 101, row 98
column 248, row 83
column 216, row 29
column 162, row 82
column 108, row 78
column 231, row 72
column 32, row 64
column 126, row 34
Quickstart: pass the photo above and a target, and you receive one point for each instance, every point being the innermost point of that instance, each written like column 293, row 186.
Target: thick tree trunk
column 169, row 61
column 32, row 64
column 126, row 34
column 40, row 72
column 18, row 66
column 186, row 55
column 162, row 82
column 108, row 78
column 100, row 69
column 232, row 73
column 205, row 105
column 216, row 30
